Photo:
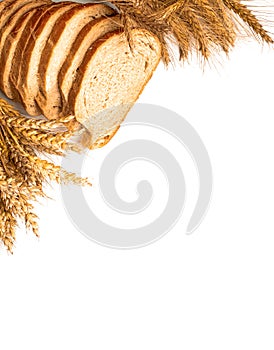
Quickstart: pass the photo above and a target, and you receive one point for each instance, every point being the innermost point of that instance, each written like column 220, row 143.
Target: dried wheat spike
column 202, row 26
column 22, row 172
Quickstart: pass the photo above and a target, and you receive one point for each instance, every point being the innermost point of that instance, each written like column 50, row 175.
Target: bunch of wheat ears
column 204, row 27
column 201, row 26
column 22, row 171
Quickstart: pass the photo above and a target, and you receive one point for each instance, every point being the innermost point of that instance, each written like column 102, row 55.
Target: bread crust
column 86, row 137
column 104, row 140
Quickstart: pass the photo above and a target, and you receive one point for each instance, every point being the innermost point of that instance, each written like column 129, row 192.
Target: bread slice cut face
column 88, row 35
column 109, row 81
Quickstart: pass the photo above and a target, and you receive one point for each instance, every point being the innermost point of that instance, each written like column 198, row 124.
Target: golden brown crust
column 105, row 139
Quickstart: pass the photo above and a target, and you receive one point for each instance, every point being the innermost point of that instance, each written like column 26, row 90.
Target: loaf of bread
column 69, row 58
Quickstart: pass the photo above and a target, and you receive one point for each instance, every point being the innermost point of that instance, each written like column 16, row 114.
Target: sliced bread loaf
column 88, row 35
column 57, row 48
column 109, row 81
column 25, row 77
column 10, row 35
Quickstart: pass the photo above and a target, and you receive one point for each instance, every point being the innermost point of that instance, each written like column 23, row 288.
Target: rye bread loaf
column 62, row 37
column 10, row 35
column 24, row 77
column 88, row 35
column 109, row 81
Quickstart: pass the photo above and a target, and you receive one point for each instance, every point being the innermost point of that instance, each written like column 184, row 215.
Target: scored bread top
column 110, row 79
column 25, row 78
column 58, row 46
column 88, row 35
column 10, row 34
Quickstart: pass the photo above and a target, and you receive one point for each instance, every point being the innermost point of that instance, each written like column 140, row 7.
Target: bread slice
column 24, row 77
column 88, row 35
column 109, row 81
column 58, row 46
column 10, row 34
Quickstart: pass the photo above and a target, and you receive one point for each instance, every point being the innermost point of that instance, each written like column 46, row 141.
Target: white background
column 211, row 290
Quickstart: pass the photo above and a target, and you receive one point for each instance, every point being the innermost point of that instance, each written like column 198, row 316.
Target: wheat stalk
column 204, row 26
column 249, row 18
column 23, row 172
